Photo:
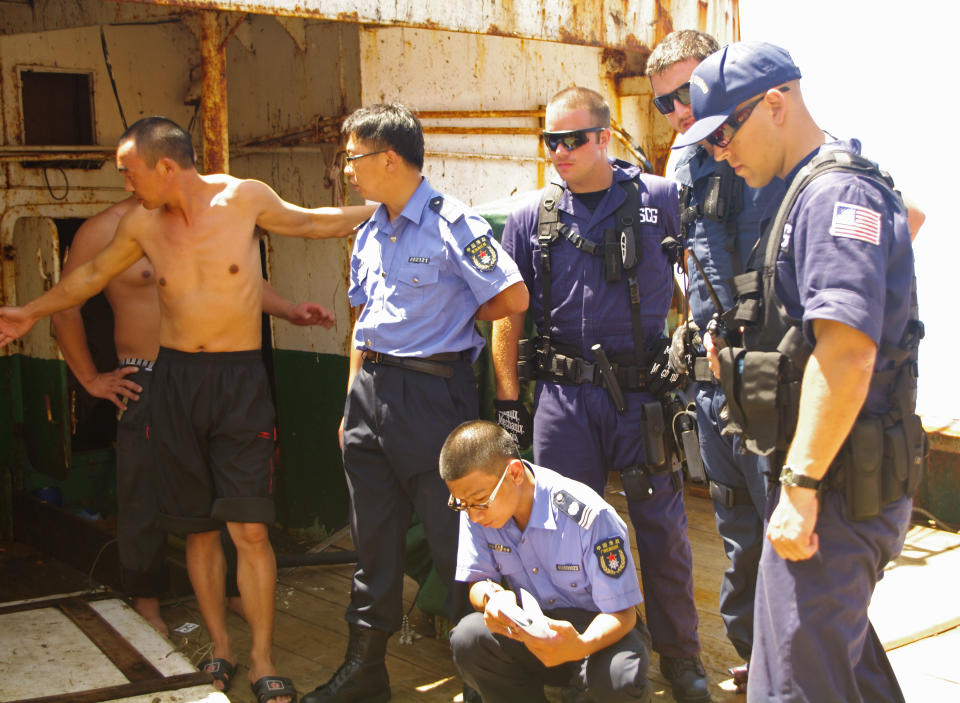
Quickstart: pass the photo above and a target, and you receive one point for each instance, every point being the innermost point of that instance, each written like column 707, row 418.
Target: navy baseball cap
column 729, row 77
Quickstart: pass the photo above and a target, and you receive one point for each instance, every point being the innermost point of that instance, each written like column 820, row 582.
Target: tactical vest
column 883, row 457
column 622, row 252
column 722, row 202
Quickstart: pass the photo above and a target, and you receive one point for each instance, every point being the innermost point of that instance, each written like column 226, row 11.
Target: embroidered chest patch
column 610, row 554
column 482, row 254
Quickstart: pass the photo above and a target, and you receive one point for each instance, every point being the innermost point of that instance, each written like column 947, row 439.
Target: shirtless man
column 212, row 428
column 132, row 296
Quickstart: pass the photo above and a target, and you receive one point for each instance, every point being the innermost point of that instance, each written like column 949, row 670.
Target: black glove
column 662, row 377
column 513, row 416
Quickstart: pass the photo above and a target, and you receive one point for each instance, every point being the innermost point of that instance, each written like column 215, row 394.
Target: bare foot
column 149, row 609
column 235, row 605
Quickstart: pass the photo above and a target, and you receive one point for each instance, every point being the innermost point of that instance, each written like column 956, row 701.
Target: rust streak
column 213, row 101
column 233, row 30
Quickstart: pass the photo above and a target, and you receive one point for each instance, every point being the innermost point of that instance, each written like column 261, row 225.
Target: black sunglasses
column 572, row 139
column 724, row 134
column 664, row 102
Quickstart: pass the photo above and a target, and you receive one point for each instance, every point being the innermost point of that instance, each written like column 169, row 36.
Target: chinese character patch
column 610, row 554
column 482, row 254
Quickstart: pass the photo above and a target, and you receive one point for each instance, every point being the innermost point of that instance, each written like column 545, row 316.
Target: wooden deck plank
column 311, row 634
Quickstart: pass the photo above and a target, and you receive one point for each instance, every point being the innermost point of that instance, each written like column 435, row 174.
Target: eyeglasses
column 572, row 139
column 664, row 102
column 458, row 505
column 723, row 135
column 350, row 159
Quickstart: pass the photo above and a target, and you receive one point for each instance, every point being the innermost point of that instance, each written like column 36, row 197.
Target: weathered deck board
column 311, row 634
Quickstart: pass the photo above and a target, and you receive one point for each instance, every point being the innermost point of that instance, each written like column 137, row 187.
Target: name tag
column 568, row 567
column 499, row 547
column 419, row 259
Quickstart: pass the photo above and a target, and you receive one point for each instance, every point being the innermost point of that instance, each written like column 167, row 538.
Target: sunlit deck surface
column 915, row 612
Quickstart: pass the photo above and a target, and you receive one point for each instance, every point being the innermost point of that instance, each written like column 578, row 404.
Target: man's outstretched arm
column 280, row 217
column 73, row 289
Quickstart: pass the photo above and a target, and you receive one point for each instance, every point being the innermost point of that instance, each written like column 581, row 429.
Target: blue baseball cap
column 729, row 77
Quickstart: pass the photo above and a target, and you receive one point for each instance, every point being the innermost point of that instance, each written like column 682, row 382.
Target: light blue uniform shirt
column 422, row 277
column 566, row 562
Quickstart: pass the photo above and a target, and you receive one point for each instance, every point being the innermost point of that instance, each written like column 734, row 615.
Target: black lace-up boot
column 362, row 678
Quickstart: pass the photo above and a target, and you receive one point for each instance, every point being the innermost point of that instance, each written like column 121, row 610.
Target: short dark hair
column 158, row 137
column 577, row 97
column 388, row 126
column 476, row 445
column 679, row 46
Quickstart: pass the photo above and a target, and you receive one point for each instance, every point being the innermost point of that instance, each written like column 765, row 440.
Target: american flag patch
column 855, row 222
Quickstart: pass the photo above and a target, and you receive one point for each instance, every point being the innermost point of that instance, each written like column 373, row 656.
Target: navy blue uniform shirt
column 707, row 238
column 845, row 255
column 587, row 309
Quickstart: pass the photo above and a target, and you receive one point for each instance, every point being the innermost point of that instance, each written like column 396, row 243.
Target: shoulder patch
column 855, row 222
column 574, row 509
column 610, row 554
column 447, row 209
column 482, row 254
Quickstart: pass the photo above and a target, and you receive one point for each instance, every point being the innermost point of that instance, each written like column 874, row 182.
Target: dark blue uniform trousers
column 503, row 670
column 812, row 639
column 579, row 433
column 740, row 525
column 396, row 421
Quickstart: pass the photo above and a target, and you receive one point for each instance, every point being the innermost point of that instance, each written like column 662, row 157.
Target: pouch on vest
column 651, row 429
column 636, row 484
column 612, row 258
column 527, row 359
column 865, row 448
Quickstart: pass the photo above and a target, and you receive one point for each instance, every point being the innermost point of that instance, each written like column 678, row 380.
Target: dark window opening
column 57, row 108
column 95, row 418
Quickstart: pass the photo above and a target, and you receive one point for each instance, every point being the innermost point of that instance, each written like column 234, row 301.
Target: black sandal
column 221, row 670
column 273, row 687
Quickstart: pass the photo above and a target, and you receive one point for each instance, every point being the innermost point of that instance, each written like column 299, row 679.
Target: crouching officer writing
column 825, row 382
column 424, row 268
column 590, row 249
column 558, row 540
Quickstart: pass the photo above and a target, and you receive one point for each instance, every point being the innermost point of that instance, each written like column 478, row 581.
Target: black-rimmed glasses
column 350, row 159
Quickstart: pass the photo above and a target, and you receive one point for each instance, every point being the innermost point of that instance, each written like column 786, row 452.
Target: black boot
column 362, row 678
column 687, row 678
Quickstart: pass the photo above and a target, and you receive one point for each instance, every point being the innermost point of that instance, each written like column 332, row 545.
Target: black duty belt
column 436, row 365
column 561, row 368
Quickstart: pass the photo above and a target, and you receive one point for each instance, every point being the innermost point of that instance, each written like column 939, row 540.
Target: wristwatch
column 790, row 477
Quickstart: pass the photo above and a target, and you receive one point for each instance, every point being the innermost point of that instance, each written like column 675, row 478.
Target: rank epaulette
column 450, row 210
column 579, row 512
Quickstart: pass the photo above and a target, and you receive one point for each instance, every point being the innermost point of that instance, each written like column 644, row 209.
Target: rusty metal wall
column 624, row 24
